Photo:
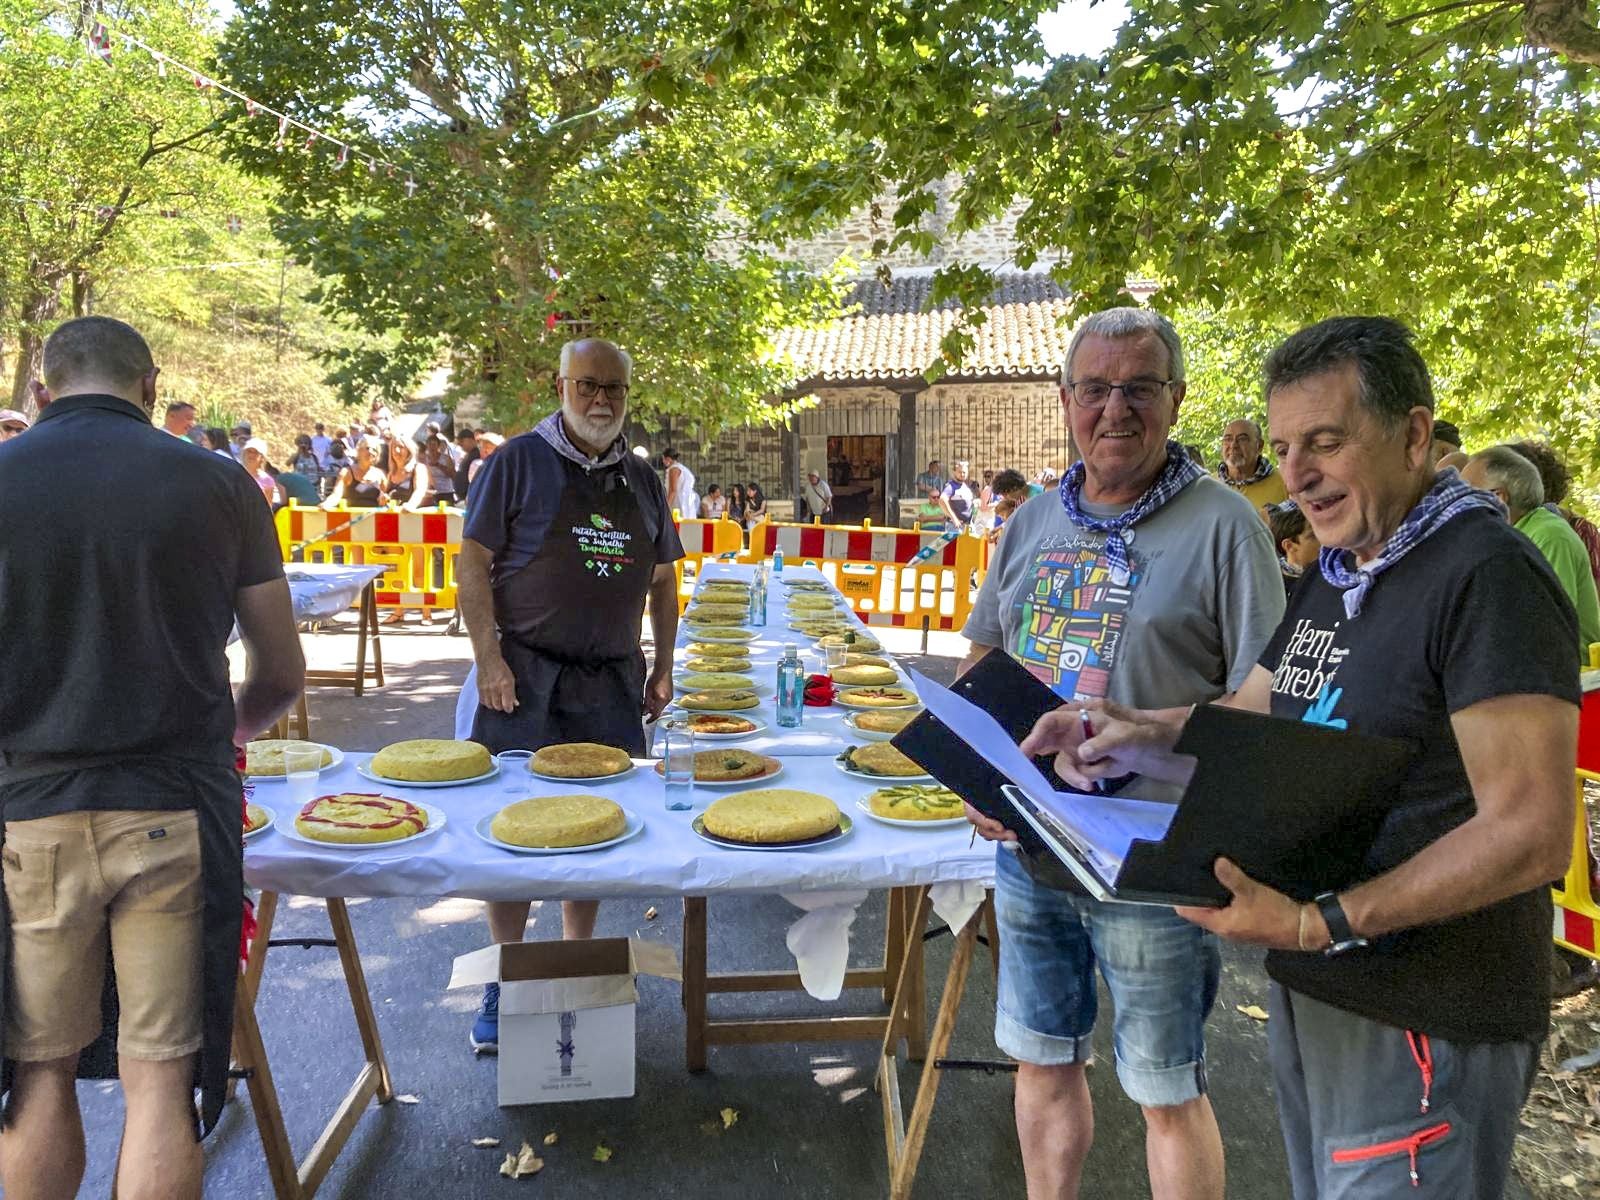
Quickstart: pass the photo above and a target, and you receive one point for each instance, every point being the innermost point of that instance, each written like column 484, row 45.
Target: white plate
column 760, row 689
column 882, row 780
column 584, row 778
column 634, row 828
column 760, row 727
column 676, row 707
column 367, row 773
column 338, row 757
column 729, row 783
column 827, row 839
column 436, row 822
column 272, row 819
column 942, row 823
column 843, row 703
column 872, row 735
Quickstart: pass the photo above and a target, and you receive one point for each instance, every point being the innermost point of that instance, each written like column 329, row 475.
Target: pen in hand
column 1088, row 732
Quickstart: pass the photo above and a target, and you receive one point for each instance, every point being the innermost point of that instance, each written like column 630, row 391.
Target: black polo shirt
column 121, row 551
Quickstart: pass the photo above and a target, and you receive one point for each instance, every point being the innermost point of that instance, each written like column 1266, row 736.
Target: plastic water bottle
column 791, row 687
column 757, row 616
column 777, row 560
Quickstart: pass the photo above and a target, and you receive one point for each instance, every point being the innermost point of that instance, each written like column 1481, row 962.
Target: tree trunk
column 82, row 293
column 38, row 307
column 1563, row 26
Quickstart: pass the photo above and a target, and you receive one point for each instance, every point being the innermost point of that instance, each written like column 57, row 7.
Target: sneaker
column 485, row 1034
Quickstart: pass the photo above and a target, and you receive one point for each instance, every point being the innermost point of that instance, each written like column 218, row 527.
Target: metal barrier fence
column 877, row 570
column 703, row 539
column 1577, row 916
column 419, row 549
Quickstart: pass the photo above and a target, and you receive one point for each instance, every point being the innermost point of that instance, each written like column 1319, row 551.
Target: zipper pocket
column 1409, row 1146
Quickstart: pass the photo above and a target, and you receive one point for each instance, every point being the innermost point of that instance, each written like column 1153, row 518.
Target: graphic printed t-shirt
column 1470, row 614
column 1204, row 596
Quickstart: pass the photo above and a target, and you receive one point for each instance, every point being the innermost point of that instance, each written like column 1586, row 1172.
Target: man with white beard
column 567, row 537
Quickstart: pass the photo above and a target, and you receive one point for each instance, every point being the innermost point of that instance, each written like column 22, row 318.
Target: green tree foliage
column 1271, row 162
column 605, row 163
column 90, row 157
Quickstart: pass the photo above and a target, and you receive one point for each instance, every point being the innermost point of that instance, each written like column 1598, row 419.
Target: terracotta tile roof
column 886, row 333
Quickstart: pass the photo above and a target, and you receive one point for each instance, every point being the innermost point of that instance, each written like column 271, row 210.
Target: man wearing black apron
column 567, row 537
column 122, row 867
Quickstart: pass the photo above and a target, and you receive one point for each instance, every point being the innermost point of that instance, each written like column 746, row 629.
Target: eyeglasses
column 590, row 388
column 1138, row 393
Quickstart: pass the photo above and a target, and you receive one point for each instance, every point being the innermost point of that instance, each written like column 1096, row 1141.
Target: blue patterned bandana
column 1447, row 499
column 1178, row 474
column 553, row 431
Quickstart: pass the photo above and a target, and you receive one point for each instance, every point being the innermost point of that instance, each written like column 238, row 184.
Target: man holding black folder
column 1409, row 1001
column 1148, row 582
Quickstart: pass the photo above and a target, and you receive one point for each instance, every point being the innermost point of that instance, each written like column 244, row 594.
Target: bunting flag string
column 233, row 223
column 99, row 45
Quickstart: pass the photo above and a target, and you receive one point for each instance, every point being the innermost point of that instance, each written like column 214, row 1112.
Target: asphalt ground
column 808, row 1120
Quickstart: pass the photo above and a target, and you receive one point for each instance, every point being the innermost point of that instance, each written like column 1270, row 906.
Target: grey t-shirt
column 1204, row 596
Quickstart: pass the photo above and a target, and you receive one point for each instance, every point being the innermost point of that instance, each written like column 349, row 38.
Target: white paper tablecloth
column 321, row 591
column 827, row 883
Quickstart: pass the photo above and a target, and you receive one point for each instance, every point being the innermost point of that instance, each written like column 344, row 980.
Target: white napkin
column 820, row 940
column 956, row 902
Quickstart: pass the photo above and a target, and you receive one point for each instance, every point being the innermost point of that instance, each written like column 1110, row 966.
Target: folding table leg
column 372, row 1082
column 694, row 982
column 250, row 977
column 903, row 1140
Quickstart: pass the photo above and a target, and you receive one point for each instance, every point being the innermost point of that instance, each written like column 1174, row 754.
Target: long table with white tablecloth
column 668, row 857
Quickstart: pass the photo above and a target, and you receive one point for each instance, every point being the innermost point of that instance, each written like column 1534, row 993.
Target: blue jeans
column 1162, row 973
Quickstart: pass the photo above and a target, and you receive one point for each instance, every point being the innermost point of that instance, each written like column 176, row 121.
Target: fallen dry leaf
column 1589, row 1144
column 485, row 1143
column 602, row 1153
column 408, row 1098
column 1254, row 1011
column 1569, row 1180
column 729, row 1116
column 550, row 1139
column 521, row 1164
column 650, row 913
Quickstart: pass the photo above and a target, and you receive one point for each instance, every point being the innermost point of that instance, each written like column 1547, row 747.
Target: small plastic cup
column 514, row 767
column 301, row 767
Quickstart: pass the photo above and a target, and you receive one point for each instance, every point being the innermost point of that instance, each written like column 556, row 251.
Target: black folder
column 1296, row 806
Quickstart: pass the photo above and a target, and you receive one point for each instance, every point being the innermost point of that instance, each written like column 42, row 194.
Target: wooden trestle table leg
column 291, row 1182
column 694, row 981
column 903, row 1140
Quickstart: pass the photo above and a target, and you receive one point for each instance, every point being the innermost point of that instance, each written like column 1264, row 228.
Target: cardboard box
column 566, row 1013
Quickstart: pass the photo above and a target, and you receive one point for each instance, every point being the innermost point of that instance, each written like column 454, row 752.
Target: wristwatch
column 1342, row 937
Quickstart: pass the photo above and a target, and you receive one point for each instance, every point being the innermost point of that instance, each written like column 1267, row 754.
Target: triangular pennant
column 411, row 187
column 100, row 43
column 201, row 83
column 311, row 140
column 283, row 129
column 344, row 157
column 251, row 108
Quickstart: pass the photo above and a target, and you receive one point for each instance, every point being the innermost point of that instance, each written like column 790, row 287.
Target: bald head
column 1509, row 475
column 99, row 354
column 593, row 385
column 1241, row 447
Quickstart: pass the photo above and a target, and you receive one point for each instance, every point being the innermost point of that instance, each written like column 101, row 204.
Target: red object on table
column 819, row 690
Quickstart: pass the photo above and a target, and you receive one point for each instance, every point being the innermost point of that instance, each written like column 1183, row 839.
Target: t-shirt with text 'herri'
column 1470, row 614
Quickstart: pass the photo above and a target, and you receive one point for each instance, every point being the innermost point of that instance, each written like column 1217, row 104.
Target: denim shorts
column 1161, row 970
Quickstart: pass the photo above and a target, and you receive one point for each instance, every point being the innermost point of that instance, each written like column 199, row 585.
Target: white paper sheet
column 1103, row 827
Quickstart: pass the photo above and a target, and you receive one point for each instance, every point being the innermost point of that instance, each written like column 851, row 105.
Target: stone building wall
column 993, row 426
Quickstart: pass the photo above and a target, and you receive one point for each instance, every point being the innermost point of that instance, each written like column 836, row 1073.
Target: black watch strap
column 1342, row 937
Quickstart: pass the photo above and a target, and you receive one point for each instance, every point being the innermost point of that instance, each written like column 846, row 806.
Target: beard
column 597, row 433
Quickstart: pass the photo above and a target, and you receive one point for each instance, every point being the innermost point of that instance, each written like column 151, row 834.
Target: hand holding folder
column 1296, row 806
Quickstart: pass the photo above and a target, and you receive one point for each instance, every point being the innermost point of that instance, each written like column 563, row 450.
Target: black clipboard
column 1296, row 806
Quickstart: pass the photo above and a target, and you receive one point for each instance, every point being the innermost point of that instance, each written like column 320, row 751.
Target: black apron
column 569, row 622
column 215, row 796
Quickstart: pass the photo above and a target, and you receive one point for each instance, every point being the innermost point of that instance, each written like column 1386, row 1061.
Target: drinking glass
column 513, row 766
column 301, row 766
column 676, row 741
column 836, row 655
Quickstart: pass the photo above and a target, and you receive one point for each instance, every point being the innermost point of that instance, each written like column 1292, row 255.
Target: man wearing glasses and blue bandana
column 568, row 535
column 1145, row 577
